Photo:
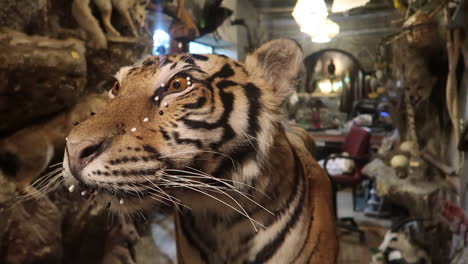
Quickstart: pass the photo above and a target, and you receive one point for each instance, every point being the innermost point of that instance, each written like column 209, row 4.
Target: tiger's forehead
column 165, row 65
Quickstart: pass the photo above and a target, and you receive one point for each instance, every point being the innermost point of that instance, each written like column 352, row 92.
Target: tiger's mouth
column 112, row 197
column 120, row 195
column 144, row 185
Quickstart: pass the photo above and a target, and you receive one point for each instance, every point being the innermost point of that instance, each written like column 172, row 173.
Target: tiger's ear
column 278, row 62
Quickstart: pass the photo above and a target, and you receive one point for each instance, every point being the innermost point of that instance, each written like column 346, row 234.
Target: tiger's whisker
column 261, row 141
column 169, row 197
column 46, row 178
column 56, row 164
column 202, row 151
column 233, row 181
column 250, row 141
column 224, row 181
column 243, row 212
column 43, row 184
column 138, row 192
column 33, row 193
column 231, row 187
column 163, row 196
column 199, row 176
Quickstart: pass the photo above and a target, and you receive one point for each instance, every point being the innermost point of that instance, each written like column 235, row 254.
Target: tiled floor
column 351, row 250
column 345, row 209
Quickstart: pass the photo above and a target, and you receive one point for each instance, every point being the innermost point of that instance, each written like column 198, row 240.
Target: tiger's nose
column 81, row 153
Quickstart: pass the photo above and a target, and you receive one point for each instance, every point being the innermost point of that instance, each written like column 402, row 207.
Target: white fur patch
column 246, row 174
column 110, row 94
column 395, row 255
column 120, row 75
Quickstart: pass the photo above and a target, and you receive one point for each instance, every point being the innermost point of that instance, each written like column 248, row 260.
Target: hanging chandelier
column 312, row 18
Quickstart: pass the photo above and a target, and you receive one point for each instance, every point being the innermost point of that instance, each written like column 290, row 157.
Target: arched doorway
column 335, row 73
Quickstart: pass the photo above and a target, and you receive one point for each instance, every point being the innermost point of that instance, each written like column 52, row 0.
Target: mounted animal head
column 180, row 122
column 403, row 239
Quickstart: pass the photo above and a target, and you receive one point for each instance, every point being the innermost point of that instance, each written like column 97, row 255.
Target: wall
column 250, row 14
column 362, row 48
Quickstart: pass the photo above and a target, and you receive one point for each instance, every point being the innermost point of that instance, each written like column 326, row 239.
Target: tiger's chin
column 116, row 200
column 126, row 205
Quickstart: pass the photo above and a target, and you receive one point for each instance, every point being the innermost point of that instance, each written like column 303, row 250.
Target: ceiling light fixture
column 311, row 16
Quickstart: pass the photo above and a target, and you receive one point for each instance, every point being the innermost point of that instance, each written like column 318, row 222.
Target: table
column 330, row 141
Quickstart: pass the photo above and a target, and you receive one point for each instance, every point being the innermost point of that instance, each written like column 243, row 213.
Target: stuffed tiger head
column 173, row 116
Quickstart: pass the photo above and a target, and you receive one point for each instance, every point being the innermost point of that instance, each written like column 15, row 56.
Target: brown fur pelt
column 27, row 153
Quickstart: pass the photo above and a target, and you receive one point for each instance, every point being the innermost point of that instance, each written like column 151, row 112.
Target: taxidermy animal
column 130, row 9
column 213, row 16
column 120, row 244
column 401, row 246
column 26, row 154
column 204, row 132
column 183, row 27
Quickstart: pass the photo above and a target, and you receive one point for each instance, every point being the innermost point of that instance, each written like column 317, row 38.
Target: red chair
column 356, row 144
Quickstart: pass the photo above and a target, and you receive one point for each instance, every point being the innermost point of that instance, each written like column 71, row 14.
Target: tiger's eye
column 178, row 85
